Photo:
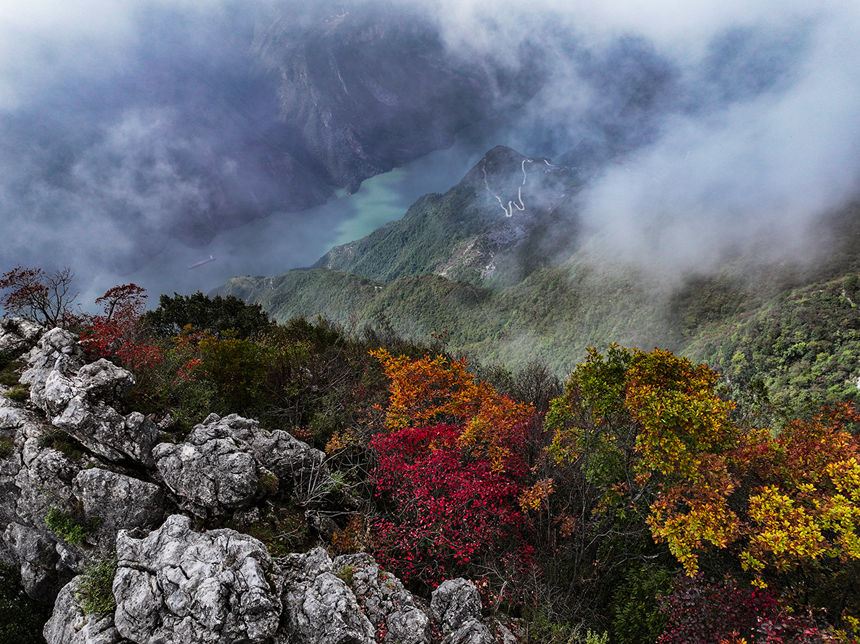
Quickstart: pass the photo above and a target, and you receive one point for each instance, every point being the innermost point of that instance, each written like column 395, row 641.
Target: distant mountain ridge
column 498, row 265
column 482, row 231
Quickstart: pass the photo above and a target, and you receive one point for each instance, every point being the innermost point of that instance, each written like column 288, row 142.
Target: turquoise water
column 283, row 241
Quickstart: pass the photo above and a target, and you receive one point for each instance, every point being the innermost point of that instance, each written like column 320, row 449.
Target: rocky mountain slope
column 509, row 215
column 119, row 530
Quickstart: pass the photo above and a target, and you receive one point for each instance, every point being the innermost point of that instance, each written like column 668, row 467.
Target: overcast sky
column 720, row 122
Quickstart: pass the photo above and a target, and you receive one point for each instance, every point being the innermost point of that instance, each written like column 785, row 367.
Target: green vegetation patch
column 56, row 438
column 7, row 446
column 18, row 393
column 281, row 527
column 69, row 526
column 95, row 594
column 203, row 313
column 346, row 574
column 10, row 371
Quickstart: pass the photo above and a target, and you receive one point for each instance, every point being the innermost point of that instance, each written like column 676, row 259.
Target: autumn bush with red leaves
column 118, row 334
column 452, row 487
column 453, row 513
column 699, row 612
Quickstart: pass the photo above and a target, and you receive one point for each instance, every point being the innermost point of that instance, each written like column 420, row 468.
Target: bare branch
column 37, row 296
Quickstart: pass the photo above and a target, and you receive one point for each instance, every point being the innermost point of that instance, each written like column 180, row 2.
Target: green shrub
column 636, row 611
column 66, row 526
column 548, row 630
column 9, row 372
column 18, row 393
column 59, row 440
column 281, row 527
column 6, row 446
column 346, row 574
column 203, row 313
column 95, row 594
column 268, row 484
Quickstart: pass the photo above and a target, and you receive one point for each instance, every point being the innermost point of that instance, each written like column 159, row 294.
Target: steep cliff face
column 367, row 88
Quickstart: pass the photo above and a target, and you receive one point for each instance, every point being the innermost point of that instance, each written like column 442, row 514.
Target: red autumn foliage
column 453, row 510
column 117, row 334
column 704, row 613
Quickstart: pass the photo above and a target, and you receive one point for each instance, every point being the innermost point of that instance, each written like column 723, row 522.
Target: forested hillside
column 514, row 289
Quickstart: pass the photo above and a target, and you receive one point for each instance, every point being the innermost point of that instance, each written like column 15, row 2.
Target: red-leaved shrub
column 452, row 509
column 712, row 613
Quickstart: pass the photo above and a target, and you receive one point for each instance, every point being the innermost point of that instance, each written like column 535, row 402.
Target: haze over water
column 285, row 240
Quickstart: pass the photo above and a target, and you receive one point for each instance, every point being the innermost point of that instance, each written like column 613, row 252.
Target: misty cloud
column 136, row 130
column 129, row 124
column 764, row 164
column 703, row 129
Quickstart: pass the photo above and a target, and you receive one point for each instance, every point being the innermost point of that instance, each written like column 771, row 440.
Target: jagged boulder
column 69, row 625
column 17, row 335
column 286, row 456
column 100, row 381
column 44, row 479
column 37, row 559
column 387, row 604
column 57, row 350
column 80, row 405
column 189, row 586
column 77, row 398
column 319, row 608
column 472, row 632
column 220, row 465
column 211, row 476
column 457, row 606
column 12, row 419
column 33, row 478
column 454, row 602
column 116, row 502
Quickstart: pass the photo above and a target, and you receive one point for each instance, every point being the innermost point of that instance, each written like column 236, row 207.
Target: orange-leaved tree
column 450, row 469
column 432, row 390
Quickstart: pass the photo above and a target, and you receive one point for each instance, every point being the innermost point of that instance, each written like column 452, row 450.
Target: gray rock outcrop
column 69, row 625
column 189, row 586
column 115, row 501
column 37, row 559
column 454, row 602
column 17, row 335
column 220, row 466
column 177, row 584
column 34, row 477
column 81, row 406
column 210, row 472
column 57, row 350
column 387, row 604
column 472, row 632
column 78, row 398
column 457, row 606
column 12, row 419
column 319, row 608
